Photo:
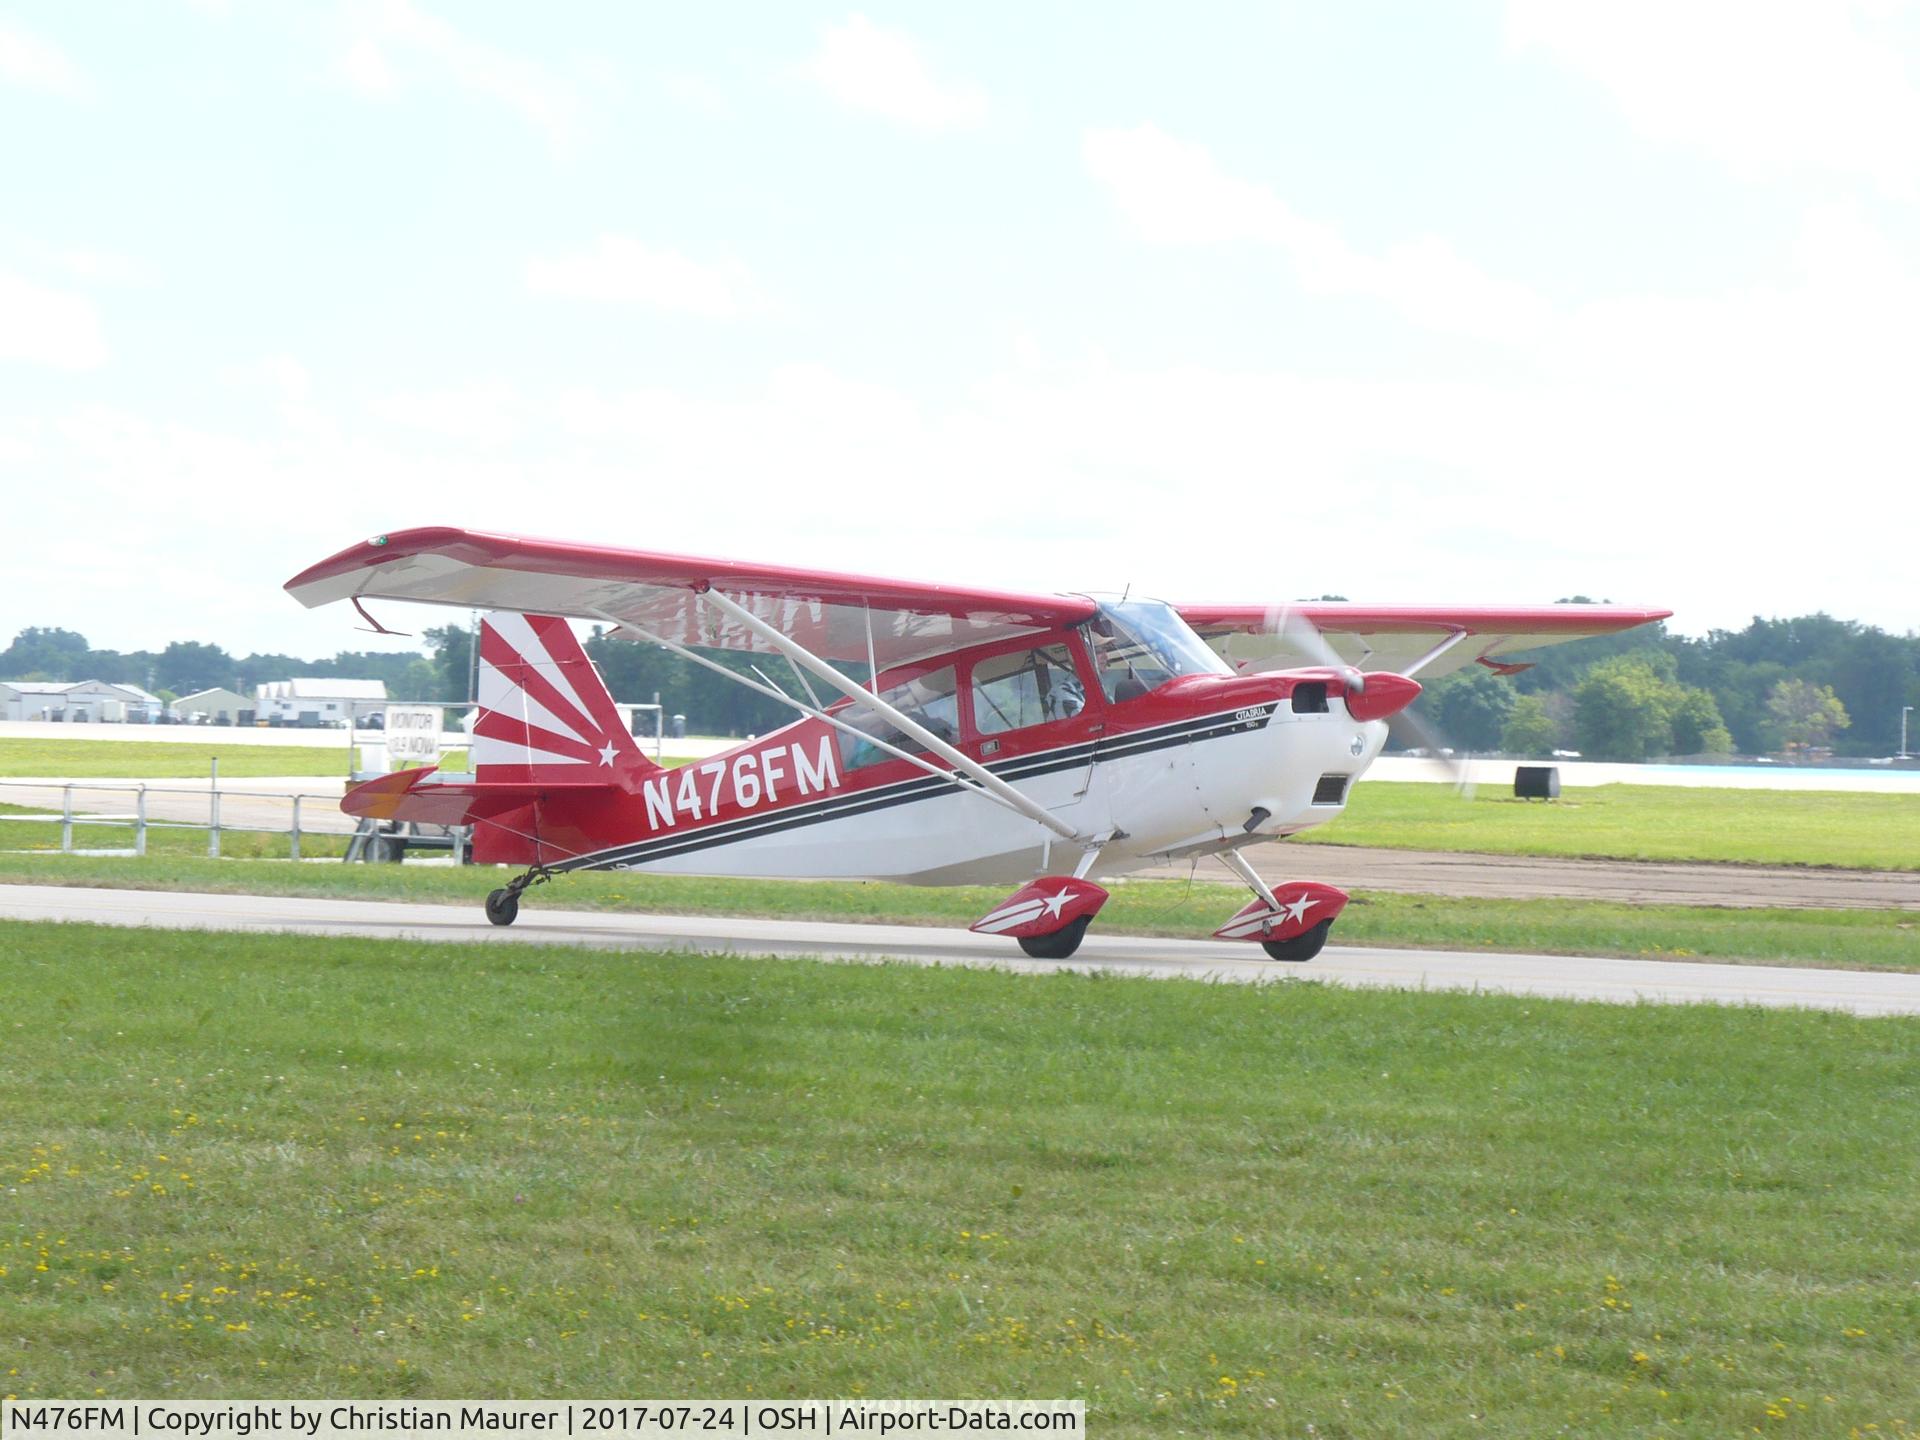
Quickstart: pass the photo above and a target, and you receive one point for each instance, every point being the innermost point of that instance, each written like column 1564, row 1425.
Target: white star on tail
column 1298, row 909
column 607, row 753
column 1056, row 902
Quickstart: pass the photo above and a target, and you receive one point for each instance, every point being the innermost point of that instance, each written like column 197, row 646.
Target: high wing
column 844, row 618
column 1399, row 637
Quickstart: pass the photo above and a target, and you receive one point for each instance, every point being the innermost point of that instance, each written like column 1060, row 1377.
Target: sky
column 1471, row 303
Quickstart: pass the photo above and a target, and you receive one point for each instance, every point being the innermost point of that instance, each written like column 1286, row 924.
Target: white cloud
column 36, row 64
column 1769, row 87
column 1175, row 194
column 364, row 67
column 866, row 67
column 288, row 382
column 696, row 92
column 1609, row 475
column 484, row 413
column 621, row 269
column 43, row 326
column 384, row 33
column 109, row 266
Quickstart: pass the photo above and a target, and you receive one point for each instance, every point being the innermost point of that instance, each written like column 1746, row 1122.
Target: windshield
column 1139, row 645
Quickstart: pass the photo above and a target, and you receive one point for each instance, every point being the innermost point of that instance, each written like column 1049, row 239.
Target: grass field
column 1633, row 822
column 1857, row 939
column 1640, row 822
column 247, row 1166
column 185, row 842
column 187, row 760
column 163, row 759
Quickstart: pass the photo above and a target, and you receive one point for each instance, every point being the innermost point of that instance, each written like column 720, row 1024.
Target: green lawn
column 168, row 841
column 166, row 759
column 1635, row 822
column 1640, row 822
column 286, row 1166
column 1856, row 939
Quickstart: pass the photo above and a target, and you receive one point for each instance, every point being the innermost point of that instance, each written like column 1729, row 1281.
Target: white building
column 318, row 701
column 79, row 702
column 216, row 707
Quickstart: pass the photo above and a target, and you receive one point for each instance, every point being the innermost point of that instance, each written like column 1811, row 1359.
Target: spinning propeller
column 1303, row 637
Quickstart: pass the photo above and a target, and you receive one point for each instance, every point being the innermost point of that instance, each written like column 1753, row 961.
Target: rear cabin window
column 928, row 699
column 1026, row 687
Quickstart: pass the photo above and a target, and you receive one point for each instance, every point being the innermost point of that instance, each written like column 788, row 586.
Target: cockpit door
column 1034, row 716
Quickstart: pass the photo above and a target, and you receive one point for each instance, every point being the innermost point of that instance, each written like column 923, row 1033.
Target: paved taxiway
column 1861, row 992
column 1525, row 877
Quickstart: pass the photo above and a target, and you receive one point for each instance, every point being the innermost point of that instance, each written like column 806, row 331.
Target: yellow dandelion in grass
column 1639, row 1357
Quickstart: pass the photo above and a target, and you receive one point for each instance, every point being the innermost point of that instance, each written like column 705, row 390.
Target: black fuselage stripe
column 838, row 807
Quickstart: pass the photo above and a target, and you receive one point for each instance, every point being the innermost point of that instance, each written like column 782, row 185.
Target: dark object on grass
column 1536, row 782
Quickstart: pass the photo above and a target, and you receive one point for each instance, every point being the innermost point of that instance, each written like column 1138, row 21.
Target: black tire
column 1060, row 944
column 502, row 907
column 1300, row 947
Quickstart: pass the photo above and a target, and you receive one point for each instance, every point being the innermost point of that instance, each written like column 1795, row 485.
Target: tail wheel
column 1060, row 944
column 502, row 907
column 1301, row 947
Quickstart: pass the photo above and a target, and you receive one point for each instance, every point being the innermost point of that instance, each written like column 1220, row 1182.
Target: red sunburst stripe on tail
column 541, row 677
column 543, row 708
column 498, row 725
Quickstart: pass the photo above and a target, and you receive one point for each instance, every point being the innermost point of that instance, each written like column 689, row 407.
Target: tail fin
column 545, row 715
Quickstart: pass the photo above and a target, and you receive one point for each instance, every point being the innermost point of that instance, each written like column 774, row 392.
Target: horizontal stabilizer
column 414, row 795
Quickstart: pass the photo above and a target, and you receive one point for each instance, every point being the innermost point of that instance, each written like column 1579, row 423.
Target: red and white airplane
column 1035, row 740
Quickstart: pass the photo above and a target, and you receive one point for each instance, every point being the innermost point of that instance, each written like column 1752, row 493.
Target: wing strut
column 871, row 700
column 1434, row 654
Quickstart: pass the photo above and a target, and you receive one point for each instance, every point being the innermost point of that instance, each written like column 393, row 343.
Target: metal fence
column 78, row 807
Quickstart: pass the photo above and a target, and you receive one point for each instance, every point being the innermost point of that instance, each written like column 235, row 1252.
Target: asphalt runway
column 1860, row 992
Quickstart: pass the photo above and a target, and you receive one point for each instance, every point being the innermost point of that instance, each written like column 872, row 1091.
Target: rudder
column 545, row 715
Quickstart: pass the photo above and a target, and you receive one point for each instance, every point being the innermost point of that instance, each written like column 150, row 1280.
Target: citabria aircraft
column 996, row 738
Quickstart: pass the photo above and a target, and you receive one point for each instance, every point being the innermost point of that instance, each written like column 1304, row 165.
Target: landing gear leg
column 1237, row 863
column 503, row 905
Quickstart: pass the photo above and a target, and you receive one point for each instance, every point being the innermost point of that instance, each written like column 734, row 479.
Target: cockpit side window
column 1026, row 687
column 928, row 699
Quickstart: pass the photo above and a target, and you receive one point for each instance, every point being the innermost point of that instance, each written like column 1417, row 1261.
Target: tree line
column 1801, row 684
column 440, row 675
column 1791, row 686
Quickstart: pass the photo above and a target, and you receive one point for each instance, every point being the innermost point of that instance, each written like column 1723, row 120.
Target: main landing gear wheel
column 1060, row 944
column 1301, row 947
column 502, row 906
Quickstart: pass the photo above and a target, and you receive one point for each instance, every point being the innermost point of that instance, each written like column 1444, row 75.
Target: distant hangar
column 78, row 701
